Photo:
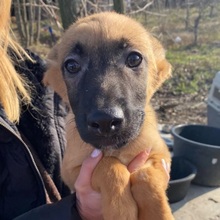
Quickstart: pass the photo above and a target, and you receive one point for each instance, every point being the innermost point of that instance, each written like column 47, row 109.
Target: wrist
column 87, row 209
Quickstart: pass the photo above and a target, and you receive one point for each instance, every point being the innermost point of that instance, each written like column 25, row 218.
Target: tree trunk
column 68, row 12
column 19, row 20
column 211, row 11
column 119, row 6
column 187, row 15
column 196, row 27
column 25, row 22
column 38, row 20
column 31, row 22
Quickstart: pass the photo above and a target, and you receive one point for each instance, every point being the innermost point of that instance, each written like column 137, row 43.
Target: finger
column 88, row 165
column 138, row 161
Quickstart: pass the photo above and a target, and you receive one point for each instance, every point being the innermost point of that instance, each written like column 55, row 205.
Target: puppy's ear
column 160, row 68
column 53, row 76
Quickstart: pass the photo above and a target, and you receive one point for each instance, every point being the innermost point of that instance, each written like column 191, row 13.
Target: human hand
column 89, row 201
column 141, row 159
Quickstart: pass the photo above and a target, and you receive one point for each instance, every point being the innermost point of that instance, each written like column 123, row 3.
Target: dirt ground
column 180, row 109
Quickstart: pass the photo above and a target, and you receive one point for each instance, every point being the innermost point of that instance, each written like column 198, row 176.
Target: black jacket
column 31, row 153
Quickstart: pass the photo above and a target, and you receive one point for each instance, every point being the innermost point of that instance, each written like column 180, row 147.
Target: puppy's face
column 108, row 65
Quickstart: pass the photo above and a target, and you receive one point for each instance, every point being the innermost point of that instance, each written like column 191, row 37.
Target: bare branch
column 84, row 6
column 41, row 5
column 143, row 9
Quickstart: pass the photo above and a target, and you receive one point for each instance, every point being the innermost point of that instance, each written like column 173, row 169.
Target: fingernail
column 95, row 153
column 148, row 151
column 164, row 164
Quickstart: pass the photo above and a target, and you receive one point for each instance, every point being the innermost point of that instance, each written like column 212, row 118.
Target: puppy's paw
column 148, row 187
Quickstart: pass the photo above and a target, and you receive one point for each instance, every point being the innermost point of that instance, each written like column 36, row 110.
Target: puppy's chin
column 110, row 146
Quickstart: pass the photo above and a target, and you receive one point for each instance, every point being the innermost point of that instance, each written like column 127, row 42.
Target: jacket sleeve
column 65, row 209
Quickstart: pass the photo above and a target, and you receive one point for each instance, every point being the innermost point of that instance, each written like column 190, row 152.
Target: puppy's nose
column 105, row 122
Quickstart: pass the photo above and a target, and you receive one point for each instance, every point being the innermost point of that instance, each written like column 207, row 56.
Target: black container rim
column 189, row 177
column 173, row 129
column 184, row 179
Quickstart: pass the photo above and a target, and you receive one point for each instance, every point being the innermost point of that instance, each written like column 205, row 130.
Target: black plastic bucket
column 200, row 144
column 181, row 175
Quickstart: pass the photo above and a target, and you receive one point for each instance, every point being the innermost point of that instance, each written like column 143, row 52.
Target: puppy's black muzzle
column 105, row 122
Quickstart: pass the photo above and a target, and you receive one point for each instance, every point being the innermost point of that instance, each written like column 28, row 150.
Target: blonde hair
column 13, row 88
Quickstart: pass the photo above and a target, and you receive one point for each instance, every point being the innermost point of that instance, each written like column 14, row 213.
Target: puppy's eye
column 134, row 59
column 72, row 66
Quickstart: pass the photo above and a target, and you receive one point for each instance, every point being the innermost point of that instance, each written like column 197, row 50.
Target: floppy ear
column 163, row 72
column 160, row 68
column 53, row 76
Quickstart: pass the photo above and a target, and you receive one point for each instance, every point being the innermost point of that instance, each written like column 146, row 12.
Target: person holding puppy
column 32, row 142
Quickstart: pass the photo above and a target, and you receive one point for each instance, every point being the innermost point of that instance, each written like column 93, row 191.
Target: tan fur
column 140, row 195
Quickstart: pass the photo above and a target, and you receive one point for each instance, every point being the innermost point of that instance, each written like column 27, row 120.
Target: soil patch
column 173, row 109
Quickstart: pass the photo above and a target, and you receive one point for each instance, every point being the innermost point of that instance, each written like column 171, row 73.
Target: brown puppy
column 106, row 68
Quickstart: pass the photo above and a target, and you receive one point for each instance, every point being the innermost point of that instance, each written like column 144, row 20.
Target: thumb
column 88, row 165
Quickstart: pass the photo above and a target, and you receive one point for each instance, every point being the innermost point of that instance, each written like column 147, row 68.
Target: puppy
column 106, row 68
